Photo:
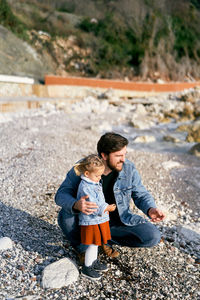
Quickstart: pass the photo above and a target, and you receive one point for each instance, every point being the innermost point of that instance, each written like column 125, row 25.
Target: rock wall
column 19, row 58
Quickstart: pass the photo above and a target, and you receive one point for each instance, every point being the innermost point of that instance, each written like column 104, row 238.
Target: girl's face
column 95, row 175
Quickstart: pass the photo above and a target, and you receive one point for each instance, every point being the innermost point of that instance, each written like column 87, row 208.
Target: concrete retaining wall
column 68, row 87
column 62, row 91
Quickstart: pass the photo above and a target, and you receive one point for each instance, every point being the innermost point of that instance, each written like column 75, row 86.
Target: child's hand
column 111, row 207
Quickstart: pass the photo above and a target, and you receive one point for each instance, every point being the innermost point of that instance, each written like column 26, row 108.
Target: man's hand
column 156, row 215
column 84, row 206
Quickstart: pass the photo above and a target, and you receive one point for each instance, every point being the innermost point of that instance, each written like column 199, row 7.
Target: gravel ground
column 37, row 149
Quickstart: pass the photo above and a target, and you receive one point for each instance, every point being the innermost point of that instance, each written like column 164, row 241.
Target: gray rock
column 167, row 165
column 190, row 233
column 59, row 274
column 140, row 110
column 19, row 58
column 172, row 139
column 145, row 139
column 141, row 123
column 5, row 243
column 195, row 150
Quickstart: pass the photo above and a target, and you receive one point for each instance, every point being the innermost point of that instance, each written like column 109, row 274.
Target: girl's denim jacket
column 95, row 193
column 128, row 186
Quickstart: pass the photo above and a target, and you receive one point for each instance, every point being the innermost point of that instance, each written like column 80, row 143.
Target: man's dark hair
column 111, row 142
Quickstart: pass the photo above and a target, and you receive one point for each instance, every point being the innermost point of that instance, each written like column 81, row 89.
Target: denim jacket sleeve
column 141, row 196
column 66, row 194
column 94, row 196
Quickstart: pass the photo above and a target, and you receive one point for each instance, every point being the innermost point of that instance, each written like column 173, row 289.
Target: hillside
column 130, row 39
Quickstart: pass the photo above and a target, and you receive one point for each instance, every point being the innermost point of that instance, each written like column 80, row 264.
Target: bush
column 10, row 21
column 186, row 38
column 115, row 45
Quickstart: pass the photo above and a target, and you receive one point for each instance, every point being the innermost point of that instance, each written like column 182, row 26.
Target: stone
column 195, row 150
column 184, row 127
column 193, row 131
column 5, row 243
column 191, row 96
column 141, row 124
column 190, row 232
column 167, row 165
column 139, row 118
column 145, row 139
column 140, row 110
column 188, row 110
column 197, row 109
column 169, row 138
column 193, row 135
column 59, row 274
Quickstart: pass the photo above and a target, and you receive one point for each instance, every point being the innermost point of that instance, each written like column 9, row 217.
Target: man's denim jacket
column 128, row 185
column 95, row 193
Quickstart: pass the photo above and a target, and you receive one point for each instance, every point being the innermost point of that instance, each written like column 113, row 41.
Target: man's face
column 115, row 160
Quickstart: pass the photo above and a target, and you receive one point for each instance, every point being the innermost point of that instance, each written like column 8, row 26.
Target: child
column 94, row 228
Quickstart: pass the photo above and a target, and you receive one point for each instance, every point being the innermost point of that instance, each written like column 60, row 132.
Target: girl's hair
column 89, row 163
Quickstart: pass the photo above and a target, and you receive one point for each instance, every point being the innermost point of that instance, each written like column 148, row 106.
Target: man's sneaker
column 90, row 273
column 99, row 266
column 109, row 251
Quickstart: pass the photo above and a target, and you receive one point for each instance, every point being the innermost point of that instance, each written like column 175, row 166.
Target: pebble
column 5, row 243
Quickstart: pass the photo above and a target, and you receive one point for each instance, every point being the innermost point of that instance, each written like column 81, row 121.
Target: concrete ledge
column 16, row 79
column 21, row 103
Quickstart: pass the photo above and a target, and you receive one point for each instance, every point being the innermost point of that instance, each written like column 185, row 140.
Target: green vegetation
column 127, row 38
column 66, row 7
column 113, row 45
column 10, row 21
column 187, row 34
column 196, row 3
column 116, row 45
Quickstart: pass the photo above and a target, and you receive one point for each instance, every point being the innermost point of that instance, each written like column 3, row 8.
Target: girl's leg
column 90, row 259
column 91, row 255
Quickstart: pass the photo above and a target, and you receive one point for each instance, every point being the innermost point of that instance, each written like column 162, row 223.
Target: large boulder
column 59, row 274
column 19, row 58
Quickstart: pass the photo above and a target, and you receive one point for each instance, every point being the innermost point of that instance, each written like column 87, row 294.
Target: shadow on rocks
column 184, row 237
column 32, row 233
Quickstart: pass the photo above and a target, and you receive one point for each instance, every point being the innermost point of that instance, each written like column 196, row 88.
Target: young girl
column 95, row 228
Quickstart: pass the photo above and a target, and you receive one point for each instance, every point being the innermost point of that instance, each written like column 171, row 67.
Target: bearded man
column 121, row 182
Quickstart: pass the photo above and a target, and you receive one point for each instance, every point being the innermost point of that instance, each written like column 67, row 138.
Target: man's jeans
column 141, row 235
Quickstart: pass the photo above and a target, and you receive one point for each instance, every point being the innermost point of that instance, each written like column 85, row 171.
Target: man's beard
column 114, row 167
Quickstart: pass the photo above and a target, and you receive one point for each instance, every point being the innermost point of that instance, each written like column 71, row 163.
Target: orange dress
column 95, row 234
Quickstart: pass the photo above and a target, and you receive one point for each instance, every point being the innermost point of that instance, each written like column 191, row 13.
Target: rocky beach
column 38, row 147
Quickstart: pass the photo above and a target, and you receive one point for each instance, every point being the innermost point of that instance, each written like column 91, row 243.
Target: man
column 121, row 183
